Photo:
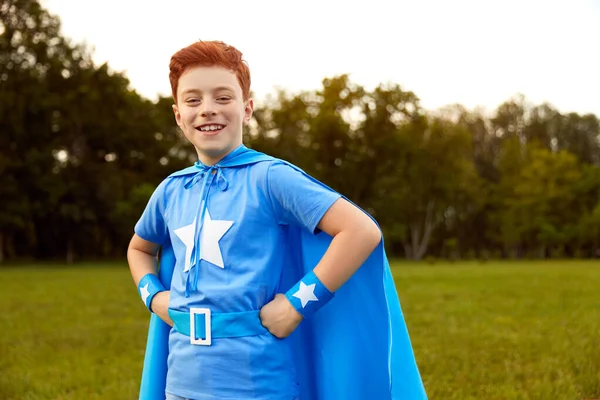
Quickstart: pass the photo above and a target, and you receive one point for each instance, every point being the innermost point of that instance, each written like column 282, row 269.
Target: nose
column 208, row 108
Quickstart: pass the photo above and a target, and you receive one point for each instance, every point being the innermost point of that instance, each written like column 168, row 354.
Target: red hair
column 209, row 54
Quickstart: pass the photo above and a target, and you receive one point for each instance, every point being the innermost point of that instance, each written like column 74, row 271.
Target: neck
column 209, row 160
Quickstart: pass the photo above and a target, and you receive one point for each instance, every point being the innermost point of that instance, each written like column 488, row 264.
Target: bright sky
column 472, row 52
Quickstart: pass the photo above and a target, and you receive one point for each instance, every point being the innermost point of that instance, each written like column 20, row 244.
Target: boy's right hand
column 160, row 306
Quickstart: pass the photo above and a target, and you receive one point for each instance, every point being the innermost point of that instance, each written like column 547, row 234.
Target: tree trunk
column 420, row 241
column 542, row 252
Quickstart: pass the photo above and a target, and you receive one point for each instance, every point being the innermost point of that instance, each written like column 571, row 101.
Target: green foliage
column 80, row 153
column 75, row 141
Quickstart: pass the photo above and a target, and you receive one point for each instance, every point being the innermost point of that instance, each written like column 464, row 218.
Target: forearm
column 355, row 236
column 142, row 263
column 348, row 250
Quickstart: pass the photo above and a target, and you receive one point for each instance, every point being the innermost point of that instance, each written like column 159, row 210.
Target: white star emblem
column 144, row 292
column 212, row 231
column 186, row 234
column 306, row 293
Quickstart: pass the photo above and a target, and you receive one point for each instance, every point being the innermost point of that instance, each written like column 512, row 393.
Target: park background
column 491, row 213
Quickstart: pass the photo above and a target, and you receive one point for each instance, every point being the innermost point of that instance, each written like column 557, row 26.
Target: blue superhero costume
column 356, row 347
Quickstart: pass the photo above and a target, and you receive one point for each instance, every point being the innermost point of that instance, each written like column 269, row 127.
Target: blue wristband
column 309, row 295
column 148, row 287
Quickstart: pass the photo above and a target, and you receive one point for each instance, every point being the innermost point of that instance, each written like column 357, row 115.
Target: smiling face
column 211, row 111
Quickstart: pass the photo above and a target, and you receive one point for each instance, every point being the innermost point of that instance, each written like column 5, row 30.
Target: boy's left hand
column 280, row 317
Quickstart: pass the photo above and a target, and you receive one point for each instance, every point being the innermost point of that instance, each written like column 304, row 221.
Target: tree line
column 81, row 152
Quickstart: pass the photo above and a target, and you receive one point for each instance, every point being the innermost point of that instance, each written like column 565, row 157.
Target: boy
column 254, row 307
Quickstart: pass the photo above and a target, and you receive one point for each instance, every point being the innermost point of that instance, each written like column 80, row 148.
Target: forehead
column 208, row 79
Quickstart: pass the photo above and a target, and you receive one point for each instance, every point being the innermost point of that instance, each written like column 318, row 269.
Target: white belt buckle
column 207, row 337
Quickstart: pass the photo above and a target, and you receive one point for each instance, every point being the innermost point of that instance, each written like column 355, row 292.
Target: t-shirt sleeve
column 152, row 225
column 296, row 198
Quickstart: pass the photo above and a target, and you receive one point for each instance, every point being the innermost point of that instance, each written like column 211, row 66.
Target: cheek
column 236, row 115
column 187, row 116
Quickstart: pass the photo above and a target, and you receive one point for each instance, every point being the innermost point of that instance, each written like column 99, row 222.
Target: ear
column 177, row 115
column 248, row 110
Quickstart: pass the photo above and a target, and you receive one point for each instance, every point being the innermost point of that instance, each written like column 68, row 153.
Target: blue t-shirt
column 240, row 268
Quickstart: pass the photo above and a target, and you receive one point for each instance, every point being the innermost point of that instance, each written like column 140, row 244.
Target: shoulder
column 286, row 180
column 277, row 173
column 285, row 173
column 169, row 185
column 191, row 170
column 267, row 170
column 282, row 168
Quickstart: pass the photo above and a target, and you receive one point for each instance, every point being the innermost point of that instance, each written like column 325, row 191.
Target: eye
column 192, row 101
column 223, row 98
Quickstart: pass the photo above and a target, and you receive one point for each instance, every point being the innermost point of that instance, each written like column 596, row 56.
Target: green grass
column 505, row 330
column 480, row 331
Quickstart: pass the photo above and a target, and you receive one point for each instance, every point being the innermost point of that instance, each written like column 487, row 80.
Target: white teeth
column 211, row 127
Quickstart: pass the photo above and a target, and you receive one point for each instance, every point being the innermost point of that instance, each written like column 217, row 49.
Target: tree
column 78, row 141
column 34, row 59
column 434, row 183
column 537, row 200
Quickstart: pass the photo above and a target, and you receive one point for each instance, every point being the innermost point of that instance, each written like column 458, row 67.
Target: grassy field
column 498, row 331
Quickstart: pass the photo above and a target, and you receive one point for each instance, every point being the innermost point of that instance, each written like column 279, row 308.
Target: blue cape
column 356, row 347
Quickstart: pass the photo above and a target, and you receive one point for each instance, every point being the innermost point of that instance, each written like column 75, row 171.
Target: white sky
column 476, row 53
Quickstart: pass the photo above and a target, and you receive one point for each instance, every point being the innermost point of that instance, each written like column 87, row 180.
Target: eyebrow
column 217, row 89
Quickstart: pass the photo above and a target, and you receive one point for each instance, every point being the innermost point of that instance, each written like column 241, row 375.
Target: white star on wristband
column 306, row 293
column 144, row 292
